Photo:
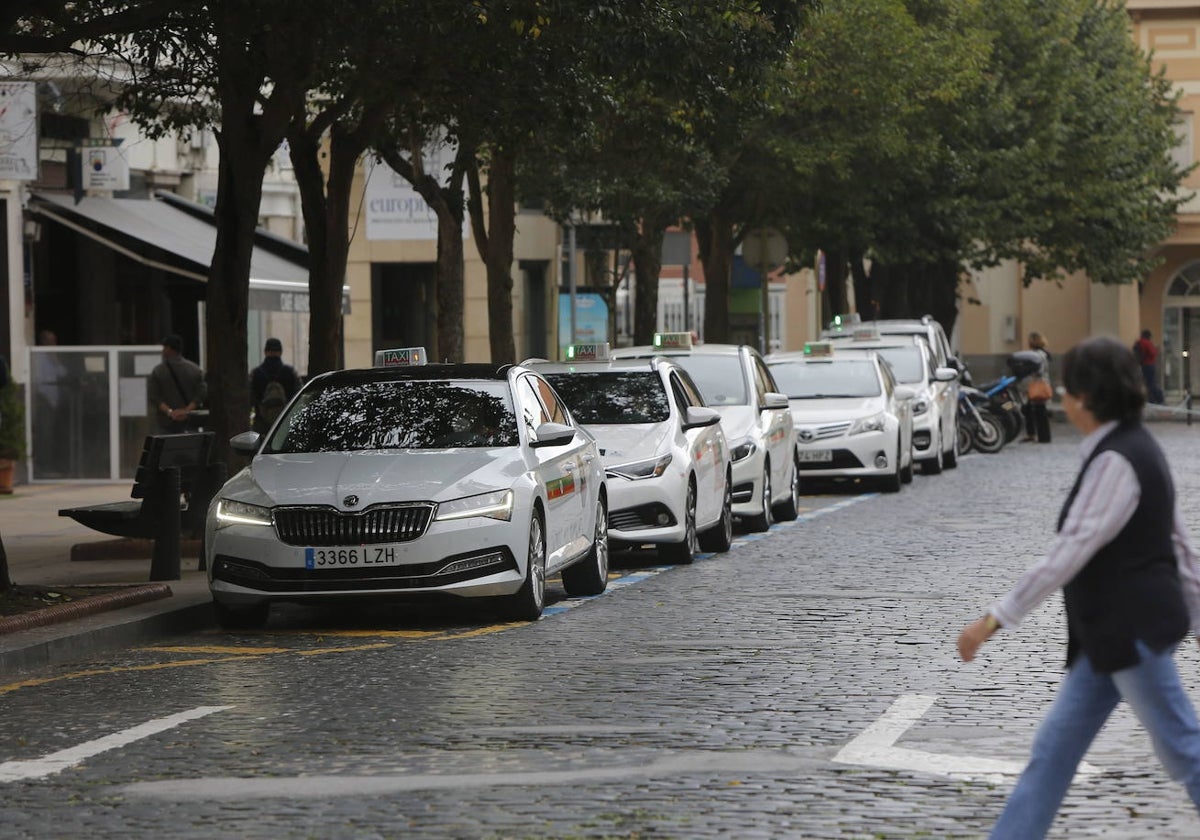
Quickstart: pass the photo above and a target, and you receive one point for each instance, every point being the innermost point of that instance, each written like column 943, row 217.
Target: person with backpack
column 272, row 386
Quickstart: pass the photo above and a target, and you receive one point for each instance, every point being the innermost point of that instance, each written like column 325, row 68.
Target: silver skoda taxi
column 409, row 479
column 670, row 481
column 755, row 417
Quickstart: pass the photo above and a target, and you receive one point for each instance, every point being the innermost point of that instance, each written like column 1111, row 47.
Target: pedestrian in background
column 176, row 387
column 1147, row 356
column 1131, row 586
column 1036, row 408
column 272, row 386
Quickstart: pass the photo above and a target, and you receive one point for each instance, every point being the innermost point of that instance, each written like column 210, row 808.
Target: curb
column 127, row 548
column 90, row 605
column 145, row 622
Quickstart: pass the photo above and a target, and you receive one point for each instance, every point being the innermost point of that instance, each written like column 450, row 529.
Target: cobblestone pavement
column 691, row 702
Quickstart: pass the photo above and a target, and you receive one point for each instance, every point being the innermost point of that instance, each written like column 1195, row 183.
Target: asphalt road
column 803, row 685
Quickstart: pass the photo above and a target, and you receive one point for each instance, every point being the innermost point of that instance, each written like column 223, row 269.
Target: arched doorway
column 1180, row 345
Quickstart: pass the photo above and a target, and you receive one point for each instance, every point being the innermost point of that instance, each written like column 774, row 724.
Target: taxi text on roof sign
column 400, row 357
column 673, row 341
column 587, row 352
column 866, row 334
column 818, row 349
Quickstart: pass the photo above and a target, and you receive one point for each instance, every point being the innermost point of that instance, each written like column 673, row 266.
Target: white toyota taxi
column 853, row 419
column 755, row 417
column 670, row 481
column 409, row 479
column 912, row 363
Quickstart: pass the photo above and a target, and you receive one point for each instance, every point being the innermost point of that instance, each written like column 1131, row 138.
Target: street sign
column 764, row 250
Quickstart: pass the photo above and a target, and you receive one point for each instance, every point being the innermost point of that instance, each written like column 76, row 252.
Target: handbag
column 1040, row 391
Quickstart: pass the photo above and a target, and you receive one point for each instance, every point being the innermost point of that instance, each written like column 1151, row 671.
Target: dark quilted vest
column 1130, row 589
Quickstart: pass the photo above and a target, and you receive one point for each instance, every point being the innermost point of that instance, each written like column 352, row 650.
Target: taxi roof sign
column 865, row 334
column 673, row 340
column 588, row 352
column 818, row 349
column 400, row 357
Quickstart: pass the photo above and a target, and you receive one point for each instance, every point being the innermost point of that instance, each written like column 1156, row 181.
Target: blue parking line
column 744, row 539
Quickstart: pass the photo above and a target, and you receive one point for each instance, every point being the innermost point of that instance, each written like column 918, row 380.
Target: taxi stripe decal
column 559, row 487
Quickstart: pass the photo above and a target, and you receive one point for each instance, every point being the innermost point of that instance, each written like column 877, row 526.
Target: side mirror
column 246, row 443
column 903, row 392
column 553, row 434
column 773, row 400
column 698, row 416
column 945, row 374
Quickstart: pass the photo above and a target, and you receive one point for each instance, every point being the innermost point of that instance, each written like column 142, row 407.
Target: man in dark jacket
column 272, row 386
column 175, row 388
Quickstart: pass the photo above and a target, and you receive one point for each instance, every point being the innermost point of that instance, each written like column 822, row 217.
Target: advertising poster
column 394, row 209
column 591, row 320
column 18, row 131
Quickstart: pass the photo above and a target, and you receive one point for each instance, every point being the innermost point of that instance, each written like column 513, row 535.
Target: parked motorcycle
column 979, row 427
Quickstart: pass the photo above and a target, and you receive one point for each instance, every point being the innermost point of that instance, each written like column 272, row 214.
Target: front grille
column 323, row 526
column 637, row 518
column 808, row 434
column 263, row 578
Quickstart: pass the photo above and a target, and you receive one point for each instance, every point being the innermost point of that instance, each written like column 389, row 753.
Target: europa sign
column 394, row 209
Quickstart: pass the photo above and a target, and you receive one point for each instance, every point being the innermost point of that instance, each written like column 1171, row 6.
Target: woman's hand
column 974, row 635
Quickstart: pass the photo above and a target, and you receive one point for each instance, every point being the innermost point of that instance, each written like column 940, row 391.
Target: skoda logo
column 350, row 501
column 807, row 434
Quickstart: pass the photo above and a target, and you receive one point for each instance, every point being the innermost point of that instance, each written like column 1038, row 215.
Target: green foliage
column 12, row 422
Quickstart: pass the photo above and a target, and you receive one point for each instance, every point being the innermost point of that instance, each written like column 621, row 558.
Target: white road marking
column 875, row 747
column 47, row 765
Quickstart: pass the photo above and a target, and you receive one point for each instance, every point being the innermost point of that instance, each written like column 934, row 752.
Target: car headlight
column 874, row 423
column 920, row 406
column 495, row 505
column 230, row 512
column 742, row 450
column 652, row 468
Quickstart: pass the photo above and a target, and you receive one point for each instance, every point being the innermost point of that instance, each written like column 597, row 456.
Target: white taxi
column 853, row 420
column 670, row 481
column 755, row 417
column 409, row 479
column 914, row 366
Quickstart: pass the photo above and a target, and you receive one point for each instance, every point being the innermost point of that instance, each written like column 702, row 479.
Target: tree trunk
column 325, row 203
column 714, row 235
column 865, row 298
column 647, row 266
column 5, row 580
column 835, row 282
column 496, row 248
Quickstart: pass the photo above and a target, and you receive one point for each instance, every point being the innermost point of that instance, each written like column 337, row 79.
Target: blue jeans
column 1084, row 702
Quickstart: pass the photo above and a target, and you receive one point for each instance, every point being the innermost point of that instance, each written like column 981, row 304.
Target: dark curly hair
column 1105, row 374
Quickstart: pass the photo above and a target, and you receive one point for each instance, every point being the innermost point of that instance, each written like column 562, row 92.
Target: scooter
column 978, row 426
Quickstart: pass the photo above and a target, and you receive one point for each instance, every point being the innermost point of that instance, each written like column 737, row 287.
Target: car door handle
column 569, row 467
column 587, row 459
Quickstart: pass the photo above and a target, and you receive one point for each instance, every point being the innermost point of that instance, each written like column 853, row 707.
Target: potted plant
column 12, row 433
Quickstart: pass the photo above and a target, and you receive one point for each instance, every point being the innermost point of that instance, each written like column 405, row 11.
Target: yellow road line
column 217, row 649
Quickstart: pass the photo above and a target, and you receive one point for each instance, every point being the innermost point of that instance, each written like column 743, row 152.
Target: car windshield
column 613, row 396
column 817, row 380
column 719, row 378
column 907, row 362
column 404, row 414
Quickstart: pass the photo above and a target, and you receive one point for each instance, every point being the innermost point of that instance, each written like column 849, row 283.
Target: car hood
column 328, row 478
column 626, row 442
column 832, row 410
column 737, row 421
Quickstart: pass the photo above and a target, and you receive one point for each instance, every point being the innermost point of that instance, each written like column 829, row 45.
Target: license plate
column 816, row 455
column 343, row 558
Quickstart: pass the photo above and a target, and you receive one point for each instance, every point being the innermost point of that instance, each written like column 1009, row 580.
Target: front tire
column 762, row 522
column 683, row 553
column 788, row 510
column 526, row 603
column 891, row 484
column 989, row 437
column 950, row 456
column 719, row 538
column 934, row 465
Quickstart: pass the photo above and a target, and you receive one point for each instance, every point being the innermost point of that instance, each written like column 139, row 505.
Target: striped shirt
column 1108, row 496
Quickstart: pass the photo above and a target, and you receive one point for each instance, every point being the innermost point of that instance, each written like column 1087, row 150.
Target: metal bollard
column 164, row 563
column 1187, row 404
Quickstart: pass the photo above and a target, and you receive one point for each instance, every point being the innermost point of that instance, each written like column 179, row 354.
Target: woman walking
column 1131, row 585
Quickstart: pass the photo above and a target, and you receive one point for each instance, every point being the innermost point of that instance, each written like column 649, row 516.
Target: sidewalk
column 39, row 541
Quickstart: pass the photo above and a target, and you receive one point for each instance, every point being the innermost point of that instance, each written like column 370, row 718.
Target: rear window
column 613, row 397
column 827, row 380
column 420, row 414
